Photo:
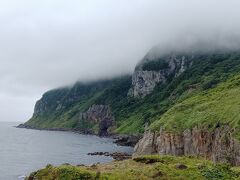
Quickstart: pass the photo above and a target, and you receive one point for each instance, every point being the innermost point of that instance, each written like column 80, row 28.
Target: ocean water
column 23, row 150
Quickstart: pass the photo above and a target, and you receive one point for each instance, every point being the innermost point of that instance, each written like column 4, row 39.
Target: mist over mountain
column 46, row 44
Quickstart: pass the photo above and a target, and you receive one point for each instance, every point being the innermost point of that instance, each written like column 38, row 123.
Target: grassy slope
column 131, row 114
column 147, row 167
column 205, row 74
column 206, row 109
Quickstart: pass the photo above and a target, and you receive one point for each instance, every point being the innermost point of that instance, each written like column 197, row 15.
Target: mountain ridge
column 145, row 82
column 159, row 85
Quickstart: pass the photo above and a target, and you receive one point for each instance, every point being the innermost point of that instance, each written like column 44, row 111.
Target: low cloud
column 46, row 44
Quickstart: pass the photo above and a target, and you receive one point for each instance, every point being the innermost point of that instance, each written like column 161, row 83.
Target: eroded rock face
column 40, row 108
column 144, row 81
column 217, row 145
column 100, row 114
column 146, row 145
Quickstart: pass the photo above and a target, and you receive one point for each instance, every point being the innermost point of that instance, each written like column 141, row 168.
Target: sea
column 23, row 151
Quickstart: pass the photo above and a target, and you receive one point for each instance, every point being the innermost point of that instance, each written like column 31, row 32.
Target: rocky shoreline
column 119, row 156
column 120, row 140
column 126, row 140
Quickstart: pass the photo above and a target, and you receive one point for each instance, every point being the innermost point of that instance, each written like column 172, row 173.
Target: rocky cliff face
column 40, row 108
column 155, row 69
column 99, row 114
column 217, row 145
column 59, row 100
column 144, row 82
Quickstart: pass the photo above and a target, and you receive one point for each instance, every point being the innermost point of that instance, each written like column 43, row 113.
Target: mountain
column 187, row 102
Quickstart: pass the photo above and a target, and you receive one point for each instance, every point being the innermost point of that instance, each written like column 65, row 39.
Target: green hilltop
column 206, row 93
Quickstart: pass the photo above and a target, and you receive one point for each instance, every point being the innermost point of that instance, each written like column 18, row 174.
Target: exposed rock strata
column 217, row 145
column 144, row 81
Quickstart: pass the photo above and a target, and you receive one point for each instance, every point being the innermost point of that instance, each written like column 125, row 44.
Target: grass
column 145, row 167
column 217, row 105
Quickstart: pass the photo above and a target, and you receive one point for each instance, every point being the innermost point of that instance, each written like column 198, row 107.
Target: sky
column 51, row 43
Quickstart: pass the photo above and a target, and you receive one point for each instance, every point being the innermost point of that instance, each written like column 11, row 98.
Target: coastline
column 119, row 139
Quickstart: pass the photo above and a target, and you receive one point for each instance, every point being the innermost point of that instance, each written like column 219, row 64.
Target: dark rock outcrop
column 115, row 155
column 181, row 166
column 127, row 140
column 22, row 126
column 217, row 145
column 99, row 114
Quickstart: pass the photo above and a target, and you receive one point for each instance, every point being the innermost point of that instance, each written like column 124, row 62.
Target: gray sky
column 50, row 43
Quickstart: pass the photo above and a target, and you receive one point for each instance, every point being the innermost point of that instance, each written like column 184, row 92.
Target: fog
column 50, row 43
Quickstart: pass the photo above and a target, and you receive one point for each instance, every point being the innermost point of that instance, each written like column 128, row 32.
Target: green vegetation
column 146, row 167
column 206, row 109
column 64, row 105
column 206, row 93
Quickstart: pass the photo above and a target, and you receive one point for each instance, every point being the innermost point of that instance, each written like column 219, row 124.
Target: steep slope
column 188, row 102
column 206, row 124
column 205, row 118
column 213, row 107
column 124, row 105
column 203, row 72
column 80, row 108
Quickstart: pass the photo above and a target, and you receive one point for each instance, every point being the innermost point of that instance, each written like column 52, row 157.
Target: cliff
column 206, row 124
column 178, row 92
column 81, row 107
column 155, row 70
column 218, row 145
column 61, row 108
